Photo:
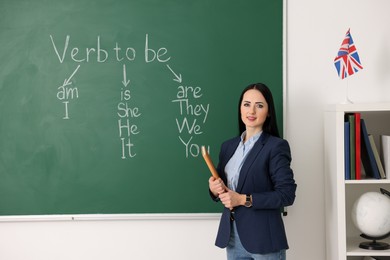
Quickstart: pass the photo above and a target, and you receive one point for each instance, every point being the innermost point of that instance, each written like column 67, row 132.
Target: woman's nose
column 252, row 110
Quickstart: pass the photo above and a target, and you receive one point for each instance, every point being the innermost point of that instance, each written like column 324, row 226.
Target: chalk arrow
column 125, row 81
column 67, row 81
column 178, row 77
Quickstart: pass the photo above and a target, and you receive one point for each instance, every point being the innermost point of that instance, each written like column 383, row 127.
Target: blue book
column 368, row 158
column 347, row 156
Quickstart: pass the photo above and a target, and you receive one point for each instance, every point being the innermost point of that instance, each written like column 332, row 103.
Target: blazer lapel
column 250, row 159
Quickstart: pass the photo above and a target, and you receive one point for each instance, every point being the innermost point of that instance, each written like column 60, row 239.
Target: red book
column 357, row 147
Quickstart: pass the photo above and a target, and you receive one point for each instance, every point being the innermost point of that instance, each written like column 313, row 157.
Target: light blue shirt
column 233, row 167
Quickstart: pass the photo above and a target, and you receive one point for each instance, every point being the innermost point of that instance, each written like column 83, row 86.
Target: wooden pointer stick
column 209, row 162
column 213, row 171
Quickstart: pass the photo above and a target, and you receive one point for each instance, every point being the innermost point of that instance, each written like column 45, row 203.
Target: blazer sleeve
column 281, row 177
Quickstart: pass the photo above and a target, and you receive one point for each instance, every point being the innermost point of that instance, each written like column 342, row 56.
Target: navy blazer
column 267, row 176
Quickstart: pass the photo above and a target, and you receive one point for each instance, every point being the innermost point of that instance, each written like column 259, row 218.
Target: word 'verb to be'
column 100, row 55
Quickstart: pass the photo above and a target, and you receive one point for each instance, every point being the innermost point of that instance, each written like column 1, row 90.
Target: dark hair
column 270, row 125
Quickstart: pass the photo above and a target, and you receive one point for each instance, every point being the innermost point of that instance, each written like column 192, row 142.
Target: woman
column 255, row 182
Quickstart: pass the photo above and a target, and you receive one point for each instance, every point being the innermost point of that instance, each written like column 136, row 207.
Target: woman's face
column 254, row 110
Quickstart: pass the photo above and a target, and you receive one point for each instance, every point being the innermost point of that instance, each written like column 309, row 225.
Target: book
column 352, row 157
column 358, row 162
column 347, row 167
column 376, row 155
column 368, row 158
column 385, row 144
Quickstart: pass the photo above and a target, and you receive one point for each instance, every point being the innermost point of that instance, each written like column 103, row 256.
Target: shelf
column 368, row 181
column 362, row 107
column 353, row 248
column 342, row 236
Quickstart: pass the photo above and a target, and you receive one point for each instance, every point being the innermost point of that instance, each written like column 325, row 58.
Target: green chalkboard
column 104, row 104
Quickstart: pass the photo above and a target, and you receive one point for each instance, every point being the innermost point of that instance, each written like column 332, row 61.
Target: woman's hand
column 231, row 199
column 228, row 197
column 217, row 186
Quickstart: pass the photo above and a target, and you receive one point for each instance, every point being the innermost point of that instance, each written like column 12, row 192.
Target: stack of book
column 361, row 150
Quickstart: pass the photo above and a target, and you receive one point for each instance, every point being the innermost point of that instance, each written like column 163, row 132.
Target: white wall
column 315, row 30
column 109, row 240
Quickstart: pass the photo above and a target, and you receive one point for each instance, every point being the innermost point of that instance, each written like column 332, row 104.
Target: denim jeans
column 235, row 250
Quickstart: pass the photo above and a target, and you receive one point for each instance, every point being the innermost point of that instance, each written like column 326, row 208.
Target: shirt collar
column 251, row 140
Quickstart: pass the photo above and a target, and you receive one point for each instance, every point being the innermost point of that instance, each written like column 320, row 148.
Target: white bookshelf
column 342, row 237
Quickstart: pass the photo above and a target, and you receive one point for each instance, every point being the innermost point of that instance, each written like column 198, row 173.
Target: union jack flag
column 347, row 61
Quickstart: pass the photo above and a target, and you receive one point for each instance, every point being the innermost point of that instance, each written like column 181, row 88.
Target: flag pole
column 347, row 100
